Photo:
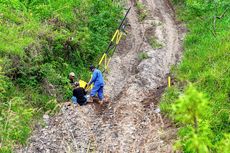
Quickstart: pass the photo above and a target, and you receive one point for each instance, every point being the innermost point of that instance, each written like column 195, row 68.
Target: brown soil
column 131, row 122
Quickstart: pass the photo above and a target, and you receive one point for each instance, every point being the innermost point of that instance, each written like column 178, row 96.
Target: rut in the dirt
column 129, row 123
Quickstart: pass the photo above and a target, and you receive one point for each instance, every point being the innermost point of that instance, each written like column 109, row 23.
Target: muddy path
column 131, row 122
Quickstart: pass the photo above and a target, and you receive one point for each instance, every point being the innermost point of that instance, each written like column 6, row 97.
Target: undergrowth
column 154, row 43
column 40, row 43
column 141, row 11
column 142, row 56
column 202, row 110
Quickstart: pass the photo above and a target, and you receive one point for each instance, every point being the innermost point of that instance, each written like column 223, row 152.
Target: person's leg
column 93, row 93
column 74, row 100
column 101, row 95
column 87, row 99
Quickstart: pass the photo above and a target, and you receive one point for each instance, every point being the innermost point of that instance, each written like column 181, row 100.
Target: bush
column 40, row 43
column 205, row 65
column 15, row 122
column 192, row 109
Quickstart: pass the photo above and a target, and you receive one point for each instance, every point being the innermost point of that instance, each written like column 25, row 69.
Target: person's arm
column 84, row 91
column 74, row 92
column 93, row 79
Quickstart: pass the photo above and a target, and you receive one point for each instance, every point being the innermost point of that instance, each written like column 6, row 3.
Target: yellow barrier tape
column 105, row 61
column 119, row 35
column 107, row 65
column 102, row 59
column 114, row 41
column 115, row 34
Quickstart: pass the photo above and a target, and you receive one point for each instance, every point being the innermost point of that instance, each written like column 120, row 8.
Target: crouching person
column 79, row 95
column 71, row 78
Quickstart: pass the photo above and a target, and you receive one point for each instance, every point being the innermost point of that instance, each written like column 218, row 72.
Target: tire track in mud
column 130, row 122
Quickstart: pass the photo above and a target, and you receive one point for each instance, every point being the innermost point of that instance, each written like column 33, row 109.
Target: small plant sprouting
column 155, row 24
column 154, row 43
column 142, row 56
column 141, row 11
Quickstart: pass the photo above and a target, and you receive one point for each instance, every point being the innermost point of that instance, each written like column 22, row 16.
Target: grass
column 154, row 24
column 205, row 64
column 154, row 43
column 142, row 56
column 40, row 43
column 141, row 11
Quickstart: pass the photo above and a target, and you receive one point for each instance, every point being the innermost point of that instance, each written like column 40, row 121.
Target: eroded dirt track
column 131, row 121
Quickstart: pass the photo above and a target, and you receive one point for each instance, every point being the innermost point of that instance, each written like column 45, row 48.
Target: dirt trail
column 131, row 122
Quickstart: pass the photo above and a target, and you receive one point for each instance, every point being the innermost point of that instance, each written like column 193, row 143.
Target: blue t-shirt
column 97, row 78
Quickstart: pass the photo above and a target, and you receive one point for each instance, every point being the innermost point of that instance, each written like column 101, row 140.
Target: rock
column 46, row 119
column 157, row 110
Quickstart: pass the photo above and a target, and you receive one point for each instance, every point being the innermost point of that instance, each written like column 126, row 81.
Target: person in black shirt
column 79, row 95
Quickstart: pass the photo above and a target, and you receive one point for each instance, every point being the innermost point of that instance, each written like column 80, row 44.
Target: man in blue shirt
column 98, row 81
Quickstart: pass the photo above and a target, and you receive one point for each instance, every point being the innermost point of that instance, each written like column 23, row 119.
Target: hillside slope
column 41, row 42
column 198, row 102
column 131, row 122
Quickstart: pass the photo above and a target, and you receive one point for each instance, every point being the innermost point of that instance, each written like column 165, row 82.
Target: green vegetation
column 41, row 41
column 141, row 11
column 202, row 110
column 142, row 56
column 154, row 43
column 192, row 109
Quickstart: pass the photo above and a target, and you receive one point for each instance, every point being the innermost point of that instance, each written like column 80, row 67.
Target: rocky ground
column 131, row 121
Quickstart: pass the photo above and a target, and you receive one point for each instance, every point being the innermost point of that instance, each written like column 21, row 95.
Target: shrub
column 40, row 43
column 192, row 109
column 204, row 63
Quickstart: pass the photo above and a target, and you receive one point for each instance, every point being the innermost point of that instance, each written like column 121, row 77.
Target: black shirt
column 71, row 82
column 79, row 93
